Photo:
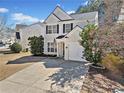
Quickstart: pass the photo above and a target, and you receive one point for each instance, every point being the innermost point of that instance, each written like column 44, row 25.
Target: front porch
column 60, row 46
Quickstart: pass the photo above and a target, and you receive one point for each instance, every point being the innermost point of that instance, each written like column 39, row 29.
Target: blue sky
column 30, row 11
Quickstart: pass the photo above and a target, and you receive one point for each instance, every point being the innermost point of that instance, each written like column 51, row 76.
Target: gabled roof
column 65, row 36
column 27, row 26
column 72, row 30
column 60, row 14
column 20, row 26
column 60, row 37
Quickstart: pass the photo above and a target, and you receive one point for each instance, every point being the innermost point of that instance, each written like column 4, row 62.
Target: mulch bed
column 101, row 81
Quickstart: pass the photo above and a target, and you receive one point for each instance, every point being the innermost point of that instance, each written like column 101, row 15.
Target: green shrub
column 36, row 44
column 16, row 48
column 89, row 41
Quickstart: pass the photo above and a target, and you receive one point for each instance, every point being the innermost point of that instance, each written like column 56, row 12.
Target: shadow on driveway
column 69, row 71
column 26, row 59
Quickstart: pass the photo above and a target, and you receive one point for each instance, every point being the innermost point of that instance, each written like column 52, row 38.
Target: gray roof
column 20, row 26
column 84, row 16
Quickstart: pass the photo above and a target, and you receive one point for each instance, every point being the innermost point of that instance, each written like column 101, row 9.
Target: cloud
column 4, row 10
column 22, row 18
column 41, row 20
column 70, row 12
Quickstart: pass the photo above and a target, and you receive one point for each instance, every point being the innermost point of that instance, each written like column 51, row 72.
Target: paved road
column 49, row 76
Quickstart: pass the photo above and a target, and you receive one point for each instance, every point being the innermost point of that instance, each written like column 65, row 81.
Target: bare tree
column 2, row 23
column 111, row 10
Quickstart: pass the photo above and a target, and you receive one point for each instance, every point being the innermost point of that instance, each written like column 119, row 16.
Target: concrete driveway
column 51, row 75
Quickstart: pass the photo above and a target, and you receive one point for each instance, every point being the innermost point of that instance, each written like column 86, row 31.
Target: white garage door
column 75, row 51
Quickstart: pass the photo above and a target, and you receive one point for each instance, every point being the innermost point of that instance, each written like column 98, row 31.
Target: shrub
column 36, row 44
column 89, row 41
column 114, row 63
column 15, row 47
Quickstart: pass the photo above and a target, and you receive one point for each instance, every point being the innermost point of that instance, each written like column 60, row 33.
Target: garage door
column 75, row 51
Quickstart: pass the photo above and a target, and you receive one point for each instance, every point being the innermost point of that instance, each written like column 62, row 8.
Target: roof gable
column 52, row 18
column 74, row 35
column 74, row 31
column 60, row 15
column 59, row 12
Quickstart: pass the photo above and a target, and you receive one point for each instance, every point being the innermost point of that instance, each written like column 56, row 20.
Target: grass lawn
column 6, row 69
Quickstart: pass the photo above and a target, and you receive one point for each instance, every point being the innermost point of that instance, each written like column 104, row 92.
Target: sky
column 31, row 11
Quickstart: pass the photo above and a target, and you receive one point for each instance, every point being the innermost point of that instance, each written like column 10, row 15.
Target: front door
column 61, row 49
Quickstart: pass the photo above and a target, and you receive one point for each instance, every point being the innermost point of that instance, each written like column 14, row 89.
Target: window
column 52, row 29
column 67, row 27
column 17, row 35
column 52, row 47
column 49, row 29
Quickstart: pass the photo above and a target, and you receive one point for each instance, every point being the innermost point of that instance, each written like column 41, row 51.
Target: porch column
column 57, row 48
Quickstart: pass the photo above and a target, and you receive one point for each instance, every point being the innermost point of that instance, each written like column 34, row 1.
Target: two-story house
column 61, row 33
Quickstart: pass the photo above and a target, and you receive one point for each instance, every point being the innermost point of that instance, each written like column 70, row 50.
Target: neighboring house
column 61, row 33
column 110, row 12
column 18, row 27
column 121, row 15
column 24, row 32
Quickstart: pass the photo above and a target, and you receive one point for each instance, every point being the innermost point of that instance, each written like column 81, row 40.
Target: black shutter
column 63, row 28
column 57, row 28
column 71, row 26
column 46, row 29
column 48, row 49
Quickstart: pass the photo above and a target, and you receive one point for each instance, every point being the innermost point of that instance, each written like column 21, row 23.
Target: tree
column 91, row 6
column 36, row 44
column 6, row 32
column 109, row 11
column 112, row 39
column 2, row 23
column 90, row 42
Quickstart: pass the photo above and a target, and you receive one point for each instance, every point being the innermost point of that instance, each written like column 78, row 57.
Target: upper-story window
column 52, row 29
column 49, row 30
column 67, row 27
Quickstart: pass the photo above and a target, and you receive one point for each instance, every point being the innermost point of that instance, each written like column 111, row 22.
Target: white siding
column 73, row 49
column 52, row 19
